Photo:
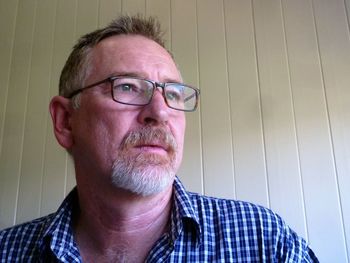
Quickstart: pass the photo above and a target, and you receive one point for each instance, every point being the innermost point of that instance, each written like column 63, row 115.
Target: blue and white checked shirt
column 203, row 229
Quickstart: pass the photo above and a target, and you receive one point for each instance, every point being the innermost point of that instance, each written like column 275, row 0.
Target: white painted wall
column 273, row 125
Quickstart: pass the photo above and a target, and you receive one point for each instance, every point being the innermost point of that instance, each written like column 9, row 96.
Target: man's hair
column 77, row 66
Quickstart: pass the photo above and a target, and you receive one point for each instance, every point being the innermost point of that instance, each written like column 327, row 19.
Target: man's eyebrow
column 173, row 81
column 126, row 74
column 141, row 76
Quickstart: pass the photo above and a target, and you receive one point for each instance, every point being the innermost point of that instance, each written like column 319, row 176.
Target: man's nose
column 157, row 111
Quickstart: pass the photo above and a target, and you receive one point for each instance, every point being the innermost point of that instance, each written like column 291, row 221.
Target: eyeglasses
column 139, row 92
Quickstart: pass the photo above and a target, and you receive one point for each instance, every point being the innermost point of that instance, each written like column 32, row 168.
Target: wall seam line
column 47, row 113
column 329, row 127
column 200, row 111
column 98, row 13
column 295, row 130
column 260, row 104
column 25, row 107
column 8, row 78
column 229, row 102
column 171, row 26
column 346, row 6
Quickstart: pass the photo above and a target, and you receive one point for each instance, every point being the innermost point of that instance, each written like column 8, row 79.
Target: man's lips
column 152, row 147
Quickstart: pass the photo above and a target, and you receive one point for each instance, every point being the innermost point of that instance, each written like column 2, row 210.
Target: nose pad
column 160, row 89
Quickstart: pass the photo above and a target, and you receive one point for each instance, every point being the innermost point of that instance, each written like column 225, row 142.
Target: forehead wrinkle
column 147, row 66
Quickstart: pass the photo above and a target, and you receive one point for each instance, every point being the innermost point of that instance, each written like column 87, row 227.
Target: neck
column 110, row 223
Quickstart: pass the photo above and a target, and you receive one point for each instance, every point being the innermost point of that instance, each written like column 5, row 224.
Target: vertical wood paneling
column 11, row 155
column 55, row 166
column 36, row 113
column 274, row 123
column 8, row 11
column 133, row 6
column 161, row 10
column 217, row 142
column 185, row 49
column 286, row 196
column 251, row 180
column 347, row 9
column 109, row 9
column 333, row 35
column 313, row 132
column 86, row 17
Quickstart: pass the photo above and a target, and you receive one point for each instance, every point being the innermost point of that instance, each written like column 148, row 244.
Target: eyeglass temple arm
column 88, row 87
column 190, row 97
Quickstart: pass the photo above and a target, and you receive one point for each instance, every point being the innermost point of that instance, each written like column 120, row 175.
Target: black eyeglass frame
column 155, row 85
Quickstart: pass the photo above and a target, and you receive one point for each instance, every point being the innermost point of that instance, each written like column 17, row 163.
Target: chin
column 144, row 181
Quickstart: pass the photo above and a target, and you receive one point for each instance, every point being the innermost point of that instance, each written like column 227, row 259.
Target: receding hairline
column 116, row 40
column 73, row 74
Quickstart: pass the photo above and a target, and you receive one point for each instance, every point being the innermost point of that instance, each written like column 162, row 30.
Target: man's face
column 136, row 148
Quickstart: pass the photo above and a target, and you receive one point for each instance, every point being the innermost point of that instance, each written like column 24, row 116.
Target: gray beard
column 141, row 176
column 145, row 174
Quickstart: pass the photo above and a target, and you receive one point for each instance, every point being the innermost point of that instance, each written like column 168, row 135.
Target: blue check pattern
column 203, row 229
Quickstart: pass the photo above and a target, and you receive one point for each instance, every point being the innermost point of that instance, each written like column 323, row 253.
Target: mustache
column 150, row 135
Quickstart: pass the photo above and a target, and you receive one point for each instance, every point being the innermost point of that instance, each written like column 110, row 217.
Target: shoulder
column 231, row 217
column 23, row 239
column 250, row 227
column 227, row 209
column 31, row 228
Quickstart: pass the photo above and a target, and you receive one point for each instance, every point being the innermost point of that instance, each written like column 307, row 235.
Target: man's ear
column 61, row 113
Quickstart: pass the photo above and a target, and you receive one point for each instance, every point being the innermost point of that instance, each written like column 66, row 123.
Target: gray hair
column 77, row 66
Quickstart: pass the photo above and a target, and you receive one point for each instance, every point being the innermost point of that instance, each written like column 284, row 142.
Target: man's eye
column 174, row 96
column 126, row 88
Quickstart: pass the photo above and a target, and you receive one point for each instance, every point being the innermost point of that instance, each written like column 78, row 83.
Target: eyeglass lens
column 139, row 92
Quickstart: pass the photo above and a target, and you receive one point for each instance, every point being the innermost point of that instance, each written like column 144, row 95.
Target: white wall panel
column 36, row 113
column 161, row 10
column 133, row 6
column 282, row 156
column 334, row 44
column 8, row 11
column 273, row 125
column 108, row 10
column 313, row 131
column 55, row 165
column 185, row 49
column 247, row 134
column 213, row 80
column 13, row 131
column 87, row 16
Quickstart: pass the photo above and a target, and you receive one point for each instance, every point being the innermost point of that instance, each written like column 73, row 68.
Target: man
column 120, row 114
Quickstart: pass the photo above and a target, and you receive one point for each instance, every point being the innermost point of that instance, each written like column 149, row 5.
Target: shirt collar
column 58, row 235
column 184, row 214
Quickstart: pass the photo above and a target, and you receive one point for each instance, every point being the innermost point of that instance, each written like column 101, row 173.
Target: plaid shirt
column 203, row 229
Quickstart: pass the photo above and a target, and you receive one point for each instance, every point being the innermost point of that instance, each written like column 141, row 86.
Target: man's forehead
column 131, row 42
column 133, row 54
